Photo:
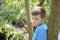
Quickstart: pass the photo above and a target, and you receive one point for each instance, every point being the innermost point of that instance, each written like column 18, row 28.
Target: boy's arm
column 42, row 34
column 34, row 37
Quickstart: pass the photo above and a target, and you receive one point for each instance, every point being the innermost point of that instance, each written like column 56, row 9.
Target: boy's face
column 37, row 20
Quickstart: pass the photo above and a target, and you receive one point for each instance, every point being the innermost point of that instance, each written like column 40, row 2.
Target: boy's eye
column 36, row 19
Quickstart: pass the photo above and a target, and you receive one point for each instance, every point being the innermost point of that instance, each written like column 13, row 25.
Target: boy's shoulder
column 42, row 26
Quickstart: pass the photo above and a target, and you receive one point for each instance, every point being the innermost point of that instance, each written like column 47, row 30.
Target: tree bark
column 53, row 26
column 28, row 19
column 0, row 2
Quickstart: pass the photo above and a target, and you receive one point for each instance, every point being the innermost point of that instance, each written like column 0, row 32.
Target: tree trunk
column 0, row 2
column 28, row 19
column 53, row 25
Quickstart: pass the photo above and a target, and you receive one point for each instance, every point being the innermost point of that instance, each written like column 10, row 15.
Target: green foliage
column 11, row 35
column 46, row 6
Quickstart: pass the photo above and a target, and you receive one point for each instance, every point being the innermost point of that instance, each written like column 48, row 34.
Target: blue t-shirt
column 40, row 32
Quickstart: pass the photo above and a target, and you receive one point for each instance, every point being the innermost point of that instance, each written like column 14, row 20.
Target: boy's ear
column 43, row 19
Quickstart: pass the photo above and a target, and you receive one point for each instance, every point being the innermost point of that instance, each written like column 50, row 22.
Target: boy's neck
column 40, row 24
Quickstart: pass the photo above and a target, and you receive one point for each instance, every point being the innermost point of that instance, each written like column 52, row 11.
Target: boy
column 38, row 18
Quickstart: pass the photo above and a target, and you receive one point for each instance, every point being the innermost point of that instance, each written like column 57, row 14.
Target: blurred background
column 13, row 18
